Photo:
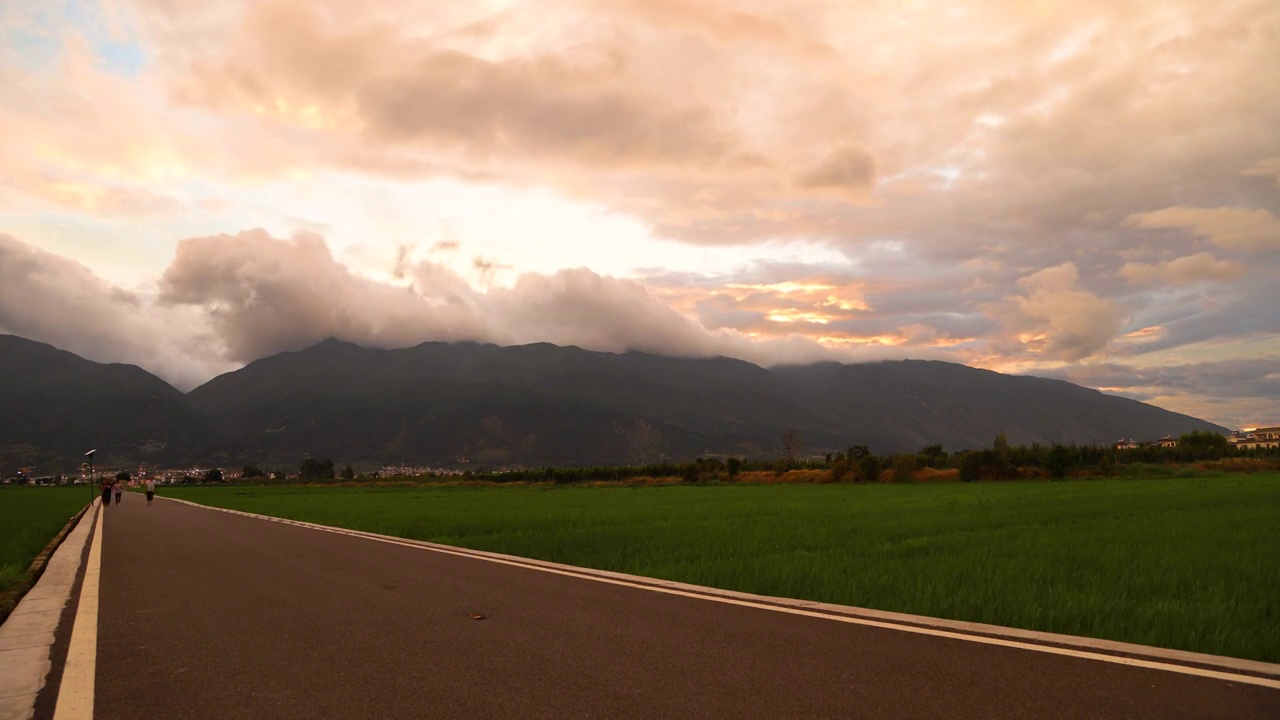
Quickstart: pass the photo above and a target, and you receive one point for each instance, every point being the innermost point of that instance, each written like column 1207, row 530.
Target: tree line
column 1000, row 461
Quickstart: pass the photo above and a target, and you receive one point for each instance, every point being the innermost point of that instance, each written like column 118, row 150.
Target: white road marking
column 982, row 639
column 75, row 695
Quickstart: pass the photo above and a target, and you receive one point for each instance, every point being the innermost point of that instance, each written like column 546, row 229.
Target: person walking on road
column 106, row 491
column 151, row 490
column 119, row 491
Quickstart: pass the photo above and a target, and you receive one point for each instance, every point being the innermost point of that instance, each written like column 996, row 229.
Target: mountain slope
column 55, row 405
column 911, row 403
column 543, row 404
column 531, row 404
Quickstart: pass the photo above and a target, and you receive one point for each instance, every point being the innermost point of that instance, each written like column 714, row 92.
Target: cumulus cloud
column 52, row 299
column 227, row 300
column 1057, row 317
column 1184, row 270
column 1226, row 227
column 263, row 295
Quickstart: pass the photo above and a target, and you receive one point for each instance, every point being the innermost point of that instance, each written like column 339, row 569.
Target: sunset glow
column 1085, row 190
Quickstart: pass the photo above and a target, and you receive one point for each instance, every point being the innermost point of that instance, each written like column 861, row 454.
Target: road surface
column 206, row 614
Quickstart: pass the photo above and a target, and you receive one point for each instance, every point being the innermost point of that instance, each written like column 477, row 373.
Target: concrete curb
column 31, row 629
column 1268, row 671
column 9, row 601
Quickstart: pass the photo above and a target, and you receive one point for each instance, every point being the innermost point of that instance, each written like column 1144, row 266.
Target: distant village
column 177, row 476
column 1248, row 439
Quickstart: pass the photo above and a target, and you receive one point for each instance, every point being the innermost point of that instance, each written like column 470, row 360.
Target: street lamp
column 92, row 484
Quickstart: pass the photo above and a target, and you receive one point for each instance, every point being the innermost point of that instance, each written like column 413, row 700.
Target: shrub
column 904, row 468
column 869, row 468
column 839, row 470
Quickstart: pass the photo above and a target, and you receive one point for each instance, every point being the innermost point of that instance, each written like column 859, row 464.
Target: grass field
column 29, row 518
column 1180, row 563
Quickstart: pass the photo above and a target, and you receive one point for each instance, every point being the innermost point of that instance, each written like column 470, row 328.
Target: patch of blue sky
column 31, row 50
column 121, row 58
column 117, row 55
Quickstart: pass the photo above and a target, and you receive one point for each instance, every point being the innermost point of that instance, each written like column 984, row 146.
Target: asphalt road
column 205, row 614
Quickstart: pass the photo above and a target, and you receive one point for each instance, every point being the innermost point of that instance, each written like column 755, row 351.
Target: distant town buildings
column 1131, row 444
column 1248, row 439
column 1168, row 441
column 414, row 471
column 1256, row 438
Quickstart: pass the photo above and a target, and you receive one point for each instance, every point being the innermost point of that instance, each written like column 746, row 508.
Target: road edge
column 29, row 634
column 1116, row 650
column 36, row 569
column 79, row 672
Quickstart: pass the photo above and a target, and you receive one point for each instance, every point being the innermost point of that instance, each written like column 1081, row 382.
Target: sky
column 1086, row 190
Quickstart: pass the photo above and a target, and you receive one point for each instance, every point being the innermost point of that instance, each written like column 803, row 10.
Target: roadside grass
column 1186, row 563
column 29, row 518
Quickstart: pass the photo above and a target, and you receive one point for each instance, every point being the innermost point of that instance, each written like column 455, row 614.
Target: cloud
column 1056, row 317
column 1229, row 228
column 262, row 295
column 540, row 108
column 302, row 67
column 740, row 122
column 1235, row 393
column 935, row 155
column 726, row 25
column 1265, row 168
column 1184, row 270
column 227, row 300
column 850, row 171
column 52, row 299
column 95, row 198
column 859, row 316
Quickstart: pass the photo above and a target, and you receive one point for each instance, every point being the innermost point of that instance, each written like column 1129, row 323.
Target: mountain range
column 477, row 405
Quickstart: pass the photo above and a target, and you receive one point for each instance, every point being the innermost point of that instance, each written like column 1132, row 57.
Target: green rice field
column 29, row 518
column 1190, row 563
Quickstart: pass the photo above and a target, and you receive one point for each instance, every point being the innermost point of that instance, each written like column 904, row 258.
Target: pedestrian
column 119, row 491
column 151, row 490
column 106, row 491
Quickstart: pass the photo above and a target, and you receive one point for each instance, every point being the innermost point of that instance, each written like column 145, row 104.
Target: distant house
column 1263, row 437
column 1123, row 444
column 1168, row 442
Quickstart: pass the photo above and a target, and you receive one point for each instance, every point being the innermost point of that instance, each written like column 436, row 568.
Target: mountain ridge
column 59, row 405
column 482, row 405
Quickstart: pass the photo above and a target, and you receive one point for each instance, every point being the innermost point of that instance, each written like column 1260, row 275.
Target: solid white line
column 75, row 694
column 982, row 639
